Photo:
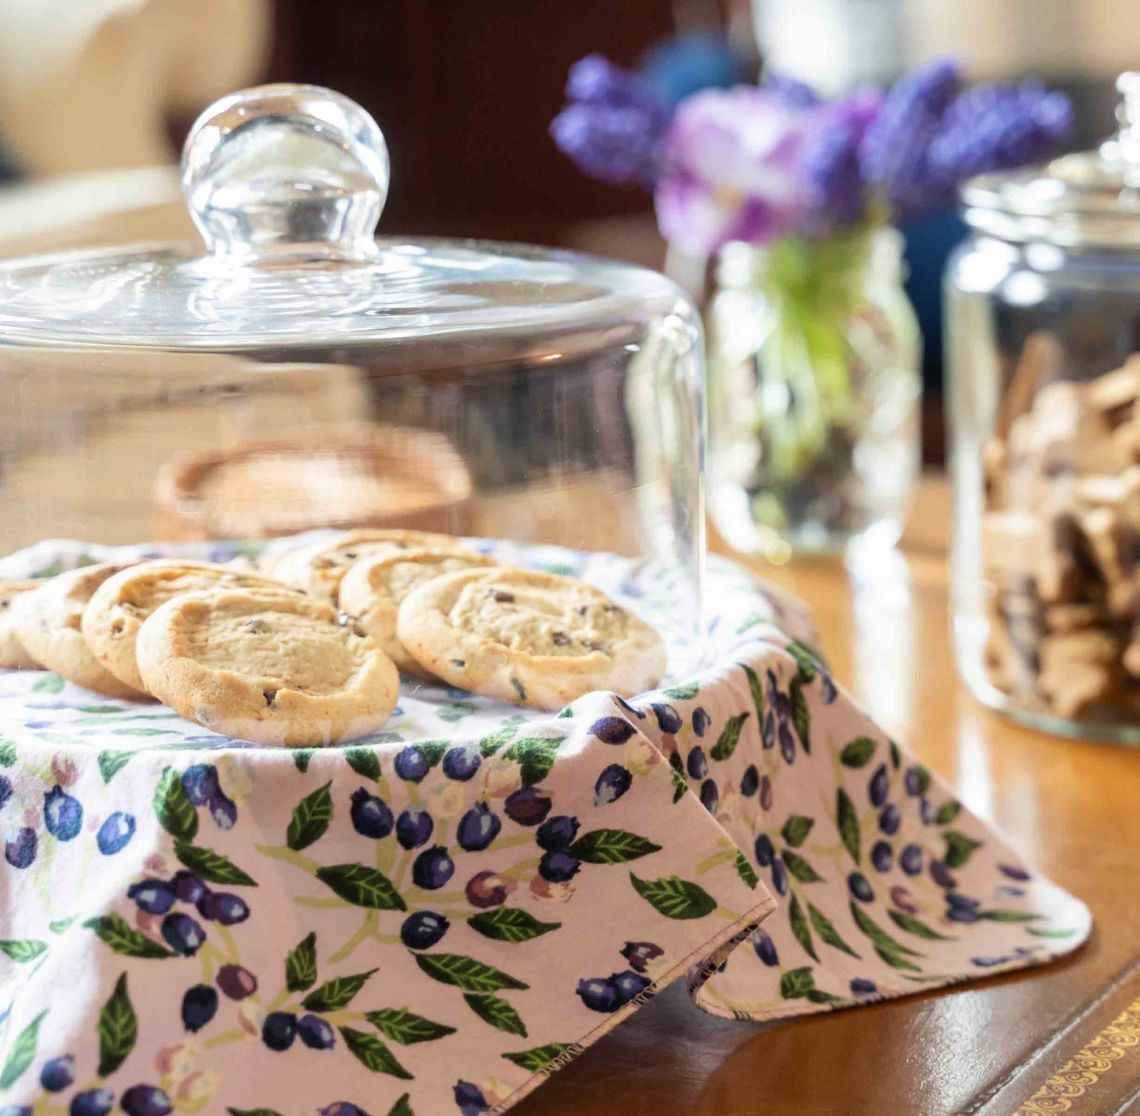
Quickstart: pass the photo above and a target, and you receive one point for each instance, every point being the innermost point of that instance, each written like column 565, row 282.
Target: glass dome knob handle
column 286, row 170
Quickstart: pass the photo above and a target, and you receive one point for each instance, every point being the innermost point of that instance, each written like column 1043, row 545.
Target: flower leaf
column 684, row 692
column 800, row 868
column 465, row 972
column 405, row 1027
column 611, row 846
column 310, row 819
column 401, row 1107
column 947, row 812
column 362, row 886
column 301, row 965
column 1008, row 916
column 756, row 690
column 884, row 944
column 848, row 823
column 301, row 757
column 493, row 741
column 807, row 659
column 745, row 871
column 111, row 763
column 801, row 717
column 212, row 866
column 510, row 924
column 674, row 897
column 825, row 928
column 959, row 848
column 122, row 938
column 23, row 949
column 172, row 805
column 535, row 757
column 796, row 830
column 372, row 1053
column 729, row 737
column 800, row 928
column 118, row 1029
column 796, row 984
column 21, row 1053
column 916, row 927
column 496, row 1011
column 538, row 1058
column 364, row 762
column 337, row 993
column 858, row 753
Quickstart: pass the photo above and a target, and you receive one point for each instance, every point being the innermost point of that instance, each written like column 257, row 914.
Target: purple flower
column 614, row 123
column 792, row 92
column 831, row 160
column 734, row 170
column 893, row 153
column 995, row 127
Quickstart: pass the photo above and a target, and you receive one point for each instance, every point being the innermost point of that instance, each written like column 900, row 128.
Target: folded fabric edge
column 709, row 953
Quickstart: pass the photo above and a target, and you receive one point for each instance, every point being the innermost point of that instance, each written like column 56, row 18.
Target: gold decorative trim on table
column 1088, row 1066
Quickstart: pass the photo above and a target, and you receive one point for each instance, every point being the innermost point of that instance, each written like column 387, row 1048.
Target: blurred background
column 97, row 95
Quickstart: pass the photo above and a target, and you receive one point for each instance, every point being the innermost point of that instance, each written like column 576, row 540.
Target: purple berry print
column 558, row 867
column 668, row 719
column 765, row 948
column 1011, row 871
column 486, row 889
column 63, row 815
column 557, row 832
column 926, row 811
column 612, row 730
column 612, row 783
column 942, row 875
column 92, row 1102
column 764, row 850
column 433, row 868
column 599, row 994
column 779, row 876
column 766, row 793
column 902, row 899
column 879, row 786
column 370, row 815
column 910, row 860
column 199, row 1005
column 631, row 709
column 188, row 887
column 423, row 929
column 222, row 810
column 890, row 819
column 859, row 887
column 115, row 833
column 411, row 764
column 461, row 762
column 962, row 914
column 183, row 934
column 279, row 1030
column 768, row 733
column 58, row 1074
column 787, row 741
column 628, row 985
column 5, row 790
column 697, row 765
column 145, row 1100
column 200, row 782
column 413, row 827
column 881, row 856
column 152, row 896
column 749, row 781
column 957, row 900
column 20, row 850
column 916, row 780
column 223, row 908
column 478, row 828
column 701, row 721
column 528, row 806
column 639, row 954
column 316, row 1033
column 341, row 1108
column 236, row 981
column 861, row 987
column 827, row 690
column 710, row 796
column 470, row 1099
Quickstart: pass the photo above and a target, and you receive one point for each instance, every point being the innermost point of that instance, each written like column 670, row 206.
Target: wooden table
column 1066, row 1034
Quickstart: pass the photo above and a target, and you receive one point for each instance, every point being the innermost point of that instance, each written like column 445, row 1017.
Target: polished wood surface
column 1072, row 807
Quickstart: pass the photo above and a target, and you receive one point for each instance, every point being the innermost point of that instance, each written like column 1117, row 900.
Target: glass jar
column 814, row 389
column 1043, row 346
column 299, row 373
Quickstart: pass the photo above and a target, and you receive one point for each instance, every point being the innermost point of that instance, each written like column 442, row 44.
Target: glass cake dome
column 298, row 373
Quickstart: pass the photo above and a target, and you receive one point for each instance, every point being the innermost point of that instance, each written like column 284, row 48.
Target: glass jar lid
column 1091, row 198
column 286, row 184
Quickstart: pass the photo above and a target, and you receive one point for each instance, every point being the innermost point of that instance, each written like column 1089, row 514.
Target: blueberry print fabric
column 436, row 918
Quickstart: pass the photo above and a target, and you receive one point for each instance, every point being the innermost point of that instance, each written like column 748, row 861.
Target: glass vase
column 814, row 358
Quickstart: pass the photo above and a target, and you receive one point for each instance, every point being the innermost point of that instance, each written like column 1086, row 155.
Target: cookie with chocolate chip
column 268, row 666
column 528, row 638
column 373, row 588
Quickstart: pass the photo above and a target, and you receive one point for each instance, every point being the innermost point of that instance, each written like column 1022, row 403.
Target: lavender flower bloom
column 996, row 127
column 613, row 126
column 792, row 93
column 831, row 160
column 893, row 154
column 734, row 171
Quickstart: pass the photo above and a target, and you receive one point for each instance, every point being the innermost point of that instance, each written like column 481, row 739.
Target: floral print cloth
column 436, row 918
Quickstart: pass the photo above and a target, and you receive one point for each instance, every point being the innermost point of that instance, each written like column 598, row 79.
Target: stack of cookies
column 307, row 650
